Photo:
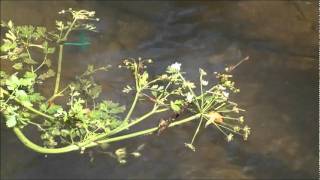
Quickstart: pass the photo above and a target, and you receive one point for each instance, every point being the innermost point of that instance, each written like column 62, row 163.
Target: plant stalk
column 70, row 148
column 56, row 87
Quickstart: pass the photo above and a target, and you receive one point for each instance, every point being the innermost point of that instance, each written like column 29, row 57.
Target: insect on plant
column 83, row 121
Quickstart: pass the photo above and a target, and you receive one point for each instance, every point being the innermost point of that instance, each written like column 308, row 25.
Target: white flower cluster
column 189, row 97
column 174, row 68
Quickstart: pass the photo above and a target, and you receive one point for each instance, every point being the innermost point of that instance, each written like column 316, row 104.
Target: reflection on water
column 278, row 86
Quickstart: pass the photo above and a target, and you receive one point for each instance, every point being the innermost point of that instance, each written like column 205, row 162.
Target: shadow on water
column 278, row 86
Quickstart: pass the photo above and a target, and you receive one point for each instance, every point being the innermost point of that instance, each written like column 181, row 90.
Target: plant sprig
column 83, row 121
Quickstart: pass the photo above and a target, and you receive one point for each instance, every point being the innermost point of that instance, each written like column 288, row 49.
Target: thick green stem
column 70, row 148
column 41, row 149
column 56, row 87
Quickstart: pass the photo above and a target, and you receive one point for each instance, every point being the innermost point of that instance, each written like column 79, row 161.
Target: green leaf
column 8, row 46
column 10, row 35
column 144, row 79
column 29, row 79
column 23, row 97
column 18, row 66
column 50, row 50
column 64, row 132
column 45, row 46
column 111, row 107
column 53, row 109
column 10, row 24
column 40, row 32
column 95, row 91
column 55, row 132
column 11, row 121
column 36, row 97
column 174, row 107
column 3, row 77
column 48, row 63
column 154, row 93
column 43, row 107
column 26, row 31
column 30, row 61
column 30, row 75
column 13, row 82
column 50, row 73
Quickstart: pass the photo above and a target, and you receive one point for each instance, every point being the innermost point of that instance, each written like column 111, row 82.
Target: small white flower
column 246, row 129
column 204, row 83
column 230, row 137
column 247, row 132
column 241, row 119
column 225, row 94
column 236, row 128
column 189, row 97
column 235, row 109
column 176, row 66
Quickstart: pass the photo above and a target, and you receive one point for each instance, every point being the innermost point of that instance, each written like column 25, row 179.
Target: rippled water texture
column 278, row 86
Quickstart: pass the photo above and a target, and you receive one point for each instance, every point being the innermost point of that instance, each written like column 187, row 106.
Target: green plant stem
column 56, row 87
column 137, row 120
column 57, row 94
column 69, row 30
column 35, row 45
column 41, row 149
column 121, row 128
column 197, row 131
column 44, row 60
column 70, row 148
column 143, row 132
column 136, row 97
column 28, row 107
column 190, row 89
column 201, row 89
